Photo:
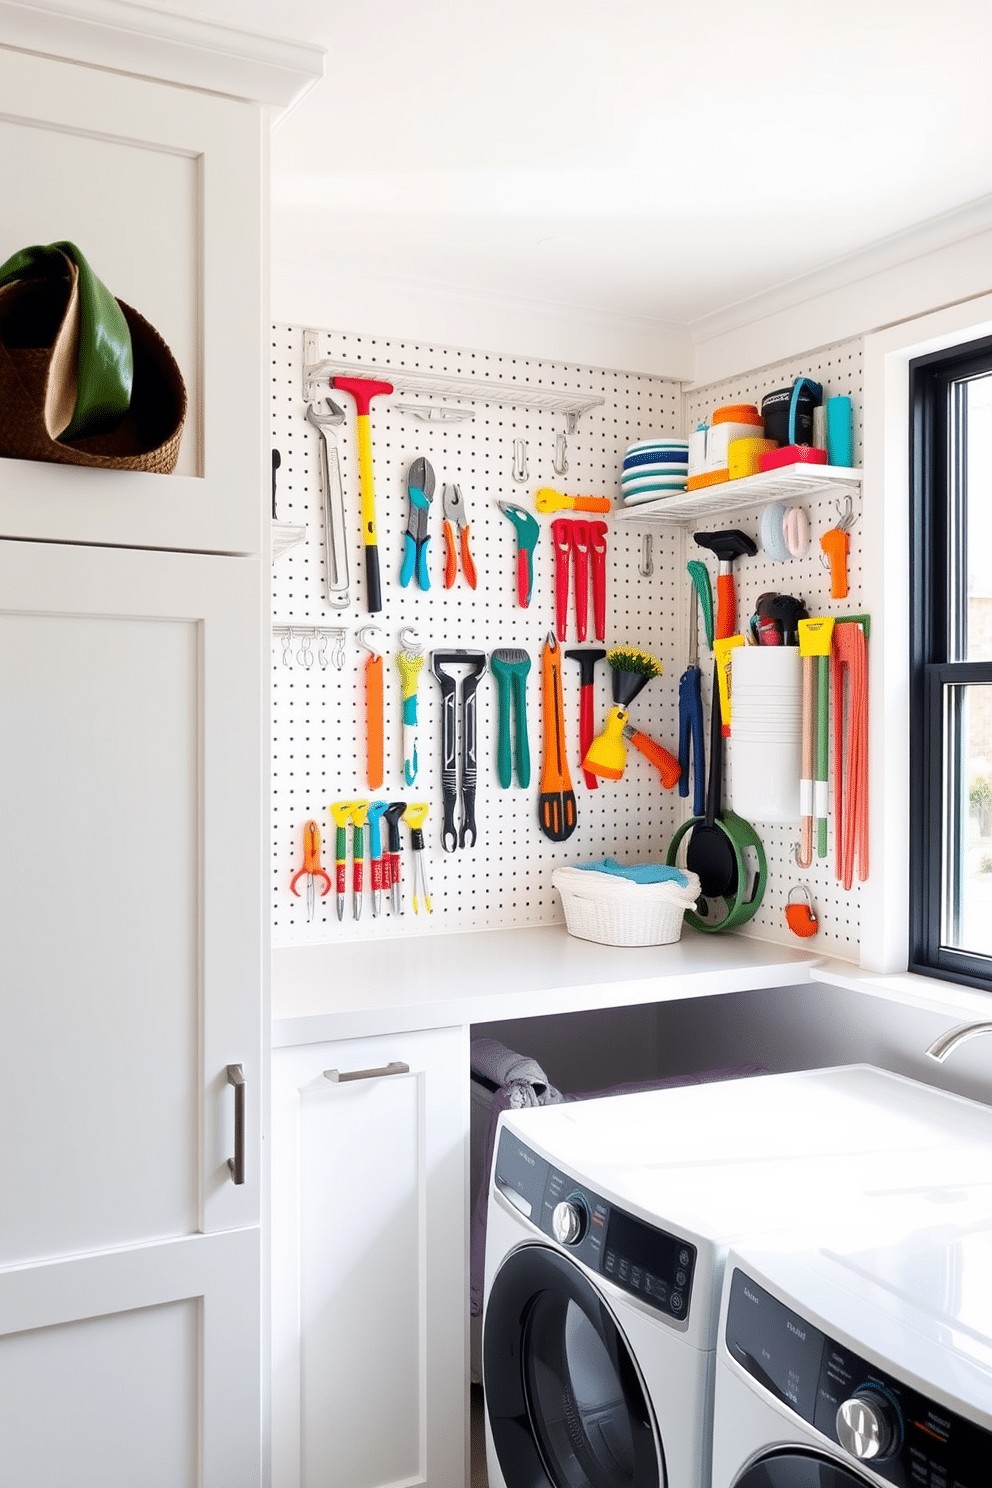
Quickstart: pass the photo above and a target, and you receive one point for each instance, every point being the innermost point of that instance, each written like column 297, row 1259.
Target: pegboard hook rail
column 306, row 634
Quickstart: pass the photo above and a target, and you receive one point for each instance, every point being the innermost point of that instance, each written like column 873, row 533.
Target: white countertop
column 361, row 988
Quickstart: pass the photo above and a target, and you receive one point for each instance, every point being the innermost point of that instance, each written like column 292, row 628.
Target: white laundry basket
column 616, row 911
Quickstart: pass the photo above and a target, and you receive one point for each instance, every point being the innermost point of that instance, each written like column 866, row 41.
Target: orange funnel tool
column 363, row 390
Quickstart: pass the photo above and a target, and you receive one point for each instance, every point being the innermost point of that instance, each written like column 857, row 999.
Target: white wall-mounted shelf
column 410, row 380
column 789, row 483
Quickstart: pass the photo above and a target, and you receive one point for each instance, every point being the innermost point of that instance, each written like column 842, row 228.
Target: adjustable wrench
column 334, row 530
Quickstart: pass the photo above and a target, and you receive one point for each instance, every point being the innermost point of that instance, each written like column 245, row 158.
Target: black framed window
column 951, row 665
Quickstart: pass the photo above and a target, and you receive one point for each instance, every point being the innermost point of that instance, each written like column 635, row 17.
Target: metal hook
column 410, row 639
column 845, row 512
column 520, row 471
column 305, row 655
column 287, row 648
column 338, row 634
column 646, row 566
column 363, row 635
column 561, row 453
column 322, row 638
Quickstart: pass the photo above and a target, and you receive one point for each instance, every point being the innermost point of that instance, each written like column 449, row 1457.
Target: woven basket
column 146, row 438
column 616, row 911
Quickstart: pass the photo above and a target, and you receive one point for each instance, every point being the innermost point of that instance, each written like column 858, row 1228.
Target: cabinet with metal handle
column 369, row 1159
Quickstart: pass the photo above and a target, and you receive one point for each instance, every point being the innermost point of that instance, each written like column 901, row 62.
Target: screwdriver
column 341, row 813
column 391, row 877
column 415, row 816
column 359, row 814
column 376, row 869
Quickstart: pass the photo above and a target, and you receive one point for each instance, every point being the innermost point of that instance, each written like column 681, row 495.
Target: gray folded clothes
column 500, row 1066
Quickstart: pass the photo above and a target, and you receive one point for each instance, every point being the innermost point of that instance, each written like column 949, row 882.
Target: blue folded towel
column 638, row 873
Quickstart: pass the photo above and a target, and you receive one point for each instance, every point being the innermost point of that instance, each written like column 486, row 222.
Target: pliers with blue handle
column 420, row 485
column 691, row 700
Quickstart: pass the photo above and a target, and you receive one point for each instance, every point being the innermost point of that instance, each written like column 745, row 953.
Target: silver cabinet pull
column 236, row 1077
column 394, row 1067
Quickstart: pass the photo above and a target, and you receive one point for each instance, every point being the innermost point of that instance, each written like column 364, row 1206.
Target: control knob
column 569, row 1221
column 868, row 1426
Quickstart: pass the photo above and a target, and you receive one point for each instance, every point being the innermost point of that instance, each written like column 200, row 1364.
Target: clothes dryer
column 609, row 1224
column 863, row 1369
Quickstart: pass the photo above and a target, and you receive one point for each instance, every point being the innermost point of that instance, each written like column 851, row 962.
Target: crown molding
column 888, row 253
column 141, row 41
column 419, row 308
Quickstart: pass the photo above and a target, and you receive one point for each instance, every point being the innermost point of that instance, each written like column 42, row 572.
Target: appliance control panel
column 639, row 1258
column 869, row 1413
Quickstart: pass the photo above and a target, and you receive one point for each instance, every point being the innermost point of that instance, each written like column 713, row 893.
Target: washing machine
column 608, row 1228
column 860, row 1369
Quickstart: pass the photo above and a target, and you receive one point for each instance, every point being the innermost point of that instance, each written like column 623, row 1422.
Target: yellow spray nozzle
column 607, row 754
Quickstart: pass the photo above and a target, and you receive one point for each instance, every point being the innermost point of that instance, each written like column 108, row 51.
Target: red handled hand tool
column 392, row 859
column 456, row 519
column 561, row 536
column 341, row 814
column 311, row 867
column 597, row 545
column 587, row 660
column 528, row 531
column 377, row 874
column 359, row 813
column 580, row 551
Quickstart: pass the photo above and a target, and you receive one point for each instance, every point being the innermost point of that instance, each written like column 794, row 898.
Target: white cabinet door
column 369, row 1277
column 131, row 952
column 162, row 190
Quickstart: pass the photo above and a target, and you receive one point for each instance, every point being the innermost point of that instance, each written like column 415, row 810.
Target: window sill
column 908, row 988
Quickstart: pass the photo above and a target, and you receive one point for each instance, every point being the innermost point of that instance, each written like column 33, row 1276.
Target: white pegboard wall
column 839, row 369
column 318, row 713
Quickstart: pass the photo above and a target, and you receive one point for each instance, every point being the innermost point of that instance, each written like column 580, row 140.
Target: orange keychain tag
column 800, row 917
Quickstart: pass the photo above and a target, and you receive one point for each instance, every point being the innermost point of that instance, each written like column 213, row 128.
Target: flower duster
column 632, row 670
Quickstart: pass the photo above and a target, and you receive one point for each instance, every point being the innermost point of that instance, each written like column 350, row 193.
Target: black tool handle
column 714, row 790
column 449, row 771
column 373, row 584
column 469, row 761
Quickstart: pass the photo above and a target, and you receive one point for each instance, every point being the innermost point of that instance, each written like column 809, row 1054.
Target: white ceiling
column 638, row 158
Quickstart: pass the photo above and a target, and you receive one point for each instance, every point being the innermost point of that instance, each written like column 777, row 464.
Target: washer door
column 566, row 1405
column 799, row 1469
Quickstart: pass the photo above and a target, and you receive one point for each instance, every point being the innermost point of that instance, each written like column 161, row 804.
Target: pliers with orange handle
column 453, row 507
column 311, row 867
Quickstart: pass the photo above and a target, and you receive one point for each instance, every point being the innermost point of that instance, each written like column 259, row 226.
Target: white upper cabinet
column 161, row 188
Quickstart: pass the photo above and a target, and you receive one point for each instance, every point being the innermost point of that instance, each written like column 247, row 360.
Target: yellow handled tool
column 363, row 390
column 548, row 500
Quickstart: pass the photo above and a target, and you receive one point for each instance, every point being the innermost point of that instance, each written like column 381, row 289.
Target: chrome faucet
column 941, row 1047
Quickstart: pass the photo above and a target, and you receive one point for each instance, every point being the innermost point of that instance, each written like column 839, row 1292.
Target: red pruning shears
column 311, row 867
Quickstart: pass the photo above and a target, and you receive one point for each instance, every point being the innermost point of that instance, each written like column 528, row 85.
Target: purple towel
column 511, row 1097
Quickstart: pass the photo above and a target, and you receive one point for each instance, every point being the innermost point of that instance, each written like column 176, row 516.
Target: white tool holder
column 503, row 410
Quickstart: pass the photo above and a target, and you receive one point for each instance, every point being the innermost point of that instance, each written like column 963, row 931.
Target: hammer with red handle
column 363, row 390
